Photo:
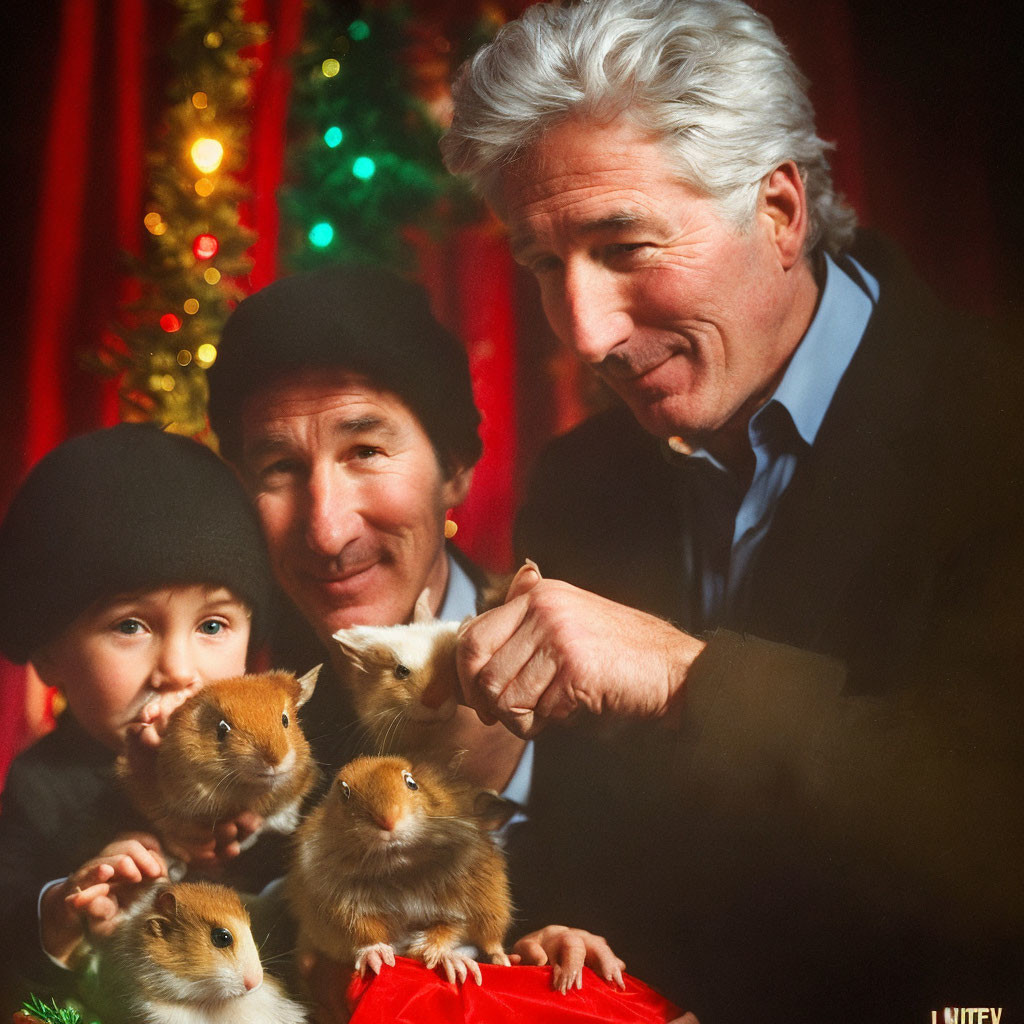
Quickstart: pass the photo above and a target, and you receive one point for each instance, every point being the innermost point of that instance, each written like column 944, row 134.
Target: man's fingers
column 603, row 961
column 571, row 957
column 531, row 952
column 527, row 577
column 489, row 654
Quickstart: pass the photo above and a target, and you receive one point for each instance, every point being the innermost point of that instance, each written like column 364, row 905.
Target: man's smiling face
column 350, row 495
column 688, row 318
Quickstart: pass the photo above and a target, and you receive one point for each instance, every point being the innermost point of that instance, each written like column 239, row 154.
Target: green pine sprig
column 52, row 1013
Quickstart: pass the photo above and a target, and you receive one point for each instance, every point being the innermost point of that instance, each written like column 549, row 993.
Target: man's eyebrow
column 282, row 443
column 363, row 425
column 619, row 221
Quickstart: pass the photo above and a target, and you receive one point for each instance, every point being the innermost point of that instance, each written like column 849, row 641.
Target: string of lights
column 189, row 275
column 363, row 159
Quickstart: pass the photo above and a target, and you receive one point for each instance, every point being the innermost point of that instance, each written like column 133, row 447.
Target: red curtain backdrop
column 918, row 99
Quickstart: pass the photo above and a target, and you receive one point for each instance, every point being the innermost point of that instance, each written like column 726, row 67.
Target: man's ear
column 456, row 487
column 783, row 202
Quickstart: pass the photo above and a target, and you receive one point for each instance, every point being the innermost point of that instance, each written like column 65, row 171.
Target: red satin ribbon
column 408, row 993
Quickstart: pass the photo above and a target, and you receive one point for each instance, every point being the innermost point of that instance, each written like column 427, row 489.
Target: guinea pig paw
column 374, row 957
column 500, row 958
column 458, row 966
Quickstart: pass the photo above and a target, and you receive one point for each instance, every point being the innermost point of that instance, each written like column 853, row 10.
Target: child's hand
column 568, row 950
column 91, row 899
column 201, row 848
column 145, row 732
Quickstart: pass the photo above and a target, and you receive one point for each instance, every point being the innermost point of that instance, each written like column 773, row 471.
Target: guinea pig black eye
column 409, row 780
column 284, row 719
column 221, row 937
column 222, row 729
column 402, row 672
column 346, row 793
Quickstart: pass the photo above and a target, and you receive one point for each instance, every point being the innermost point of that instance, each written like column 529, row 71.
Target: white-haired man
column 826, row 509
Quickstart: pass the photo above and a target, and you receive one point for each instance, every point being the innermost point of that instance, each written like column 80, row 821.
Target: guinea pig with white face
column 403, row 683
column 184, row 954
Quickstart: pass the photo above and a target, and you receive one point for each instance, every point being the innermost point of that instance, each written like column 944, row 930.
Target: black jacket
column 834, row 831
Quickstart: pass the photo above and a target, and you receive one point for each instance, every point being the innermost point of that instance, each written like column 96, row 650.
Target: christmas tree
column 364, row 163
column 196, row 248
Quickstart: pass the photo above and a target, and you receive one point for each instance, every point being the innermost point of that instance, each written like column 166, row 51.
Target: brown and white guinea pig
column 396, row 859
column 403, row 679
column 403, row 683
column 184, row 954
column 233, row 747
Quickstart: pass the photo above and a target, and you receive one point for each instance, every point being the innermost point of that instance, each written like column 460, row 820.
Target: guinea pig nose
column 252, row 979
column 386, row 821
column 436, row 693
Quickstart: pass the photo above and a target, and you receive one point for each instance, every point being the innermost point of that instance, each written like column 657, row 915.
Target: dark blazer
column 829, row 834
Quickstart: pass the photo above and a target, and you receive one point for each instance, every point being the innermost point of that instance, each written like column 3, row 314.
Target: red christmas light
column 205, row 247
column 170, row 323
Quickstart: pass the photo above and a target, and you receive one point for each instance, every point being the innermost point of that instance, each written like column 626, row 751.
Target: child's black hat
column 117, row 510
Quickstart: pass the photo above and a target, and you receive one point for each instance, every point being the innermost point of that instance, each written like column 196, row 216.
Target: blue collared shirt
column 780, row 433
column 460, row 602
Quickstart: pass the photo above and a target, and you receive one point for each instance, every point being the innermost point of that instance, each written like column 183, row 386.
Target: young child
column 132, row 572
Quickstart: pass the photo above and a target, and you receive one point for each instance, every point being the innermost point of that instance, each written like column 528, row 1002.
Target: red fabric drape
column 408, row 993
column 55, row 279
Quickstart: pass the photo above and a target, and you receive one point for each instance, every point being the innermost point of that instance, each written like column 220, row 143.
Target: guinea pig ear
column 166, row 906
column 421, row 609
column 493, row 810
column 355, row 648
column 307, row 683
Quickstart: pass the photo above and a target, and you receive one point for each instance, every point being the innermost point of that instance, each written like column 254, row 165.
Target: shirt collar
column 823, row 356
column 459, row 596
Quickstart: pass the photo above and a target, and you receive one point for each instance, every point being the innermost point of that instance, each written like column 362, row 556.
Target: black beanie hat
column 122, row 509
column 353, row 318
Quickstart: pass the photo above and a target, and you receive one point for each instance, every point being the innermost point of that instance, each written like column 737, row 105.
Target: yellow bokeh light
column 212, row 40
column 204, row 187
column 211, row 275
column 158, row 229
column 167, row 382
column 199, row 100
column 152, row 218
column 330, row 67
column 207, row 154
column 184, row 357
column 191, row 306
column 206, row 354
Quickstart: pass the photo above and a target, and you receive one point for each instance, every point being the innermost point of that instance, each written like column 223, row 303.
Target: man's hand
column 552, row 650
column 568, row 950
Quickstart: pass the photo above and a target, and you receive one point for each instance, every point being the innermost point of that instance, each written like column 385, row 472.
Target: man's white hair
column 709, row 78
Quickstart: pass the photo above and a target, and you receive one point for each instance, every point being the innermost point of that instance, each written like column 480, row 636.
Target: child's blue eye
column 129, row 627
column 211, row 627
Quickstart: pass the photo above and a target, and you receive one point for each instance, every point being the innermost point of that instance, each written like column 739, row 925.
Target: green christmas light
column 364, row 168
column 321, row 234
column 359, row 30
column 333, row 136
